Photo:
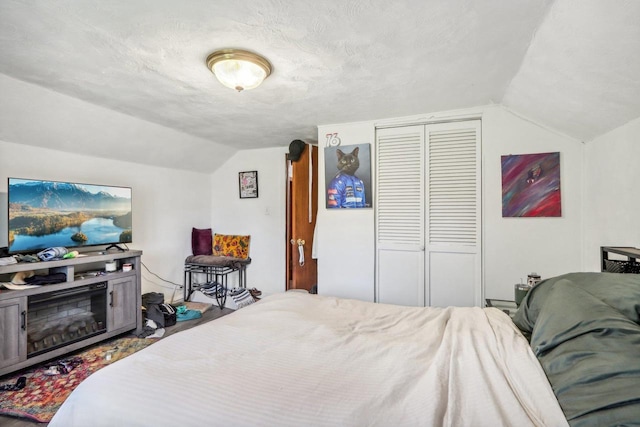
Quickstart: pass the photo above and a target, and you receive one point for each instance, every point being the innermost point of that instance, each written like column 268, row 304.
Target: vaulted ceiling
column 572, row 65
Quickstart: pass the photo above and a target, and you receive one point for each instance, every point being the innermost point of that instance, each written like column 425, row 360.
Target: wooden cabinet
column 122, row 314
column 13, row 331
column 120, row 304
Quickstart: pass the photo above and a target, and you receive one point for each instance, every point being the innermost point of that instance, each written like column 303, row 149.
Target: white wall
column 166, row 202
column 612, row 182
column 513, row 247
column 345, row 237
column 264, row 218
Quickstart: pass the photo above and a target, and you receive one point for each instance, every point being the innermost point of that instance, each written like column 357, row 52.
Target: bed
column 296, row 359
column 585, row 331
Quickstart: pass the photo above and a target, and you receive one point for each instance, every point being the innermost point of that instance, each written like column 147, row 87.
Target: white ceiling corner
column 581, row 74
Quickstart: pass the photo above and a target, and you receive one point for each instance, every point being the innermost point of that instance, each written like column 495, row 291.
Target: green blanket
column 585, row 331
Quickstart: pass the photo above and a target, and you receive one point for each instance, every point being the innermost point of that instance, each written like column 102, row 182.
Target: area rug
column 43, row 394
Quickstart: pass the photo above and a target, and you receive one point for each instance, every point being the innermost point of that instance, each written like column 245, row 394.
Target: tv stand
column 113, row 245
column 35, row 324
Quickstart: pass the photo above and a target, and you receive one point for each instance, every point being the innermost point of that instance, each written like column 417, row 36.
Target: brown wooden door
column 302, row 207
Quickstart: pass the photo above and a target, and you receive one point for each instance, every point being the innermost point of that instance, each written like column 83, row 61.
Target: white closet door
column 453, row 234
column 399, row 211
column 428, row 215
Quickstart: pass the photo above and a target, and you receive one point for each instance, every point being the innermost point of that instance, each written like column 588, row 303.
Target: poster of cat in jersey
column 347, row 171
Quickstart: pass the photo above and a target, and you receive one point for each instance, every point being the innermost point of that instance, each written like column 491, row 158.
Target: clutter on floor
column 183, row 313
column 19, row 385
column 241, row 296
column 64, row 366
column 158, row 314
column 37, row 393
column 215, row 294
column 199, row 306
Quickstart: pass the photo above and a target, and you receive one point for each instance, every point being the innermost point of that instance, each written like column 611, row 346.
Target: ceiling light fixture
column 238, row 69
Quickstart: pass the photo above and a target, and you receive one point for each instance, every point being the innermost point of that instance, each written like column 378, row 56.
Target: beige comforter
column 304, row 360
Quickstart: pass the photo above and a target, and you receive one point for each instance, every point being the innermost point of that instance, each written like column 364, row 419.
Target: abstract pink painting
column 531, row 185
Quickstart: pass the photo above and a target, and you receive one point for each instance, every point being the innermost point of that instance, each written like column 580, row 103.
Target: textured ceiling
column 573, row 65
column 581, row 74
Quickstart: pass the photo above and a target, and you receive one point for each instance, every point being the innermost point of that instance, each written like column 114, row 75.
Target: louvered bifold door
column 400, row 216
column 453, row 214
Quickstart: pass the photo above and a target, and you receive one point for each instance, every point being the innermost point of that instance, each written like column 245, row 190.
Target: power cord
column 175, row 287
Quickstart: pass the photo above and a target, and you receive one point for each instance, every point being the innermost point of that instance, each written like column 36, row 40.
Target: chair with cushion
column 228, row 253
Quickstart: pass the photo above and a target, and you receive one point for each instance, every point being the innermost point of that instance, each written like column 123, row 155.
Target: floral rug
column 44, row 392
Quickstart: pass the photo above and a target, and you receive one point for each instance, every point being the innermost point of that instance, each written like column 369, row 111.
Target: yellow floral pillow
column 231, row 245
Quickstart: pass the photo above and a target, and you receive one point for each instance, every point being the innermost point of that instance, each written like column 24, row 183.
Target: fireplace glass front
column 62, row 317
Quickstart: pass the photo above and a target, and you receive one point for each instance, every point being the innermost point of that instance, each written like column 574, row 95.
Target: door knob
column 300, row 244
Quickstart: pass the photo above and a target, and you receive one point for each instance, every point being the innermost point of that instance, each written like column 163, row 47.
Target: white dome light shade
column 239, row 75
column 238, row 69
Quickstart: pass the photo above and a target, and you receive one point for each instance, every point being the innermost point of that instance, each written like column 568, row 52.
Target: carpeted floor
column 43, row 394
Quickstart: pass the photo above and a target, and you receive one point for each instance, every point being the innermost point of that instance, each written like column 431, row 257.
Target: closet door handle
column 111, row 299
column 24, row 320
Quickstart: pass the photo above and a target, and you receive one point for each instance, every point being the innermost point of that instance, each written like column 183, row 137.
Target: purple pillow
column 201, row 241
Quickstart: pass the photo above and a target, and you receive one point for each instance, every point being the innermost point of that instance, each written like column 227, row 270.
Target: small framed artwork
column 248, row 184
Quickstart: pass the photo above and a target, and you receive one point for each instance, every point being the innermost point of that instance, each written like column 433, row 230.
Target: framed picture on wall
column 348, row 176
column 531, row 185
column 248, row 182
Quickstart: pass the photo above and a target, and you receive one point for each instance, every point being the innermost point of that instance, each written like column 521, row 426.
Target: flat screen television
column 44, row 214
